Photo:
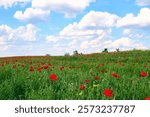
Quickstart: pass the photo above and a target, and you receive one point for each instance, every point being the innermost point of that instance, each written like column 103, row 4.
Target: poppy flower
column 102, row 70
column 31, row 69
column 108, row 93
column 86, row 81
column 45, row 66
column 53, row 77
column 39, row 69
column 143, row 74
column 61, row 68
column 96, row 78
column 82, row 87
column 114, row 75
column 147, row 98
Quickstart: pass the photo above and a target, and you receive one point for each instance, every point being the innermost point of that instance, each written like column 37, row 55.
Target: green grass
column 20, row 83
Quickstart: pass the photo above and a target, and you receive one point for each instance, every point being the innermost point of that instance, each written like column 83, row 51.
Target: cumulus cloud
column 9, row 3
column 40, row 9
column 143, row 2
column 92, row 25
column 125, row 43
column 139, row 21
column 26, row 33
column 135, row 26
column 93, row 33
column 32, row 15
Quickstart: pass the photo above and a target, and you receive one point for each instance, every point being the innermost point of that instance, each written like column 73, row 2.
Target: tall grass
column 18, row 82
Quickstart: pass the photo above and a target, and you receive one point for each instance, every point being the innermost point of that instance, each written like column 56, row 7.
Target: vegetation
column 99, row 76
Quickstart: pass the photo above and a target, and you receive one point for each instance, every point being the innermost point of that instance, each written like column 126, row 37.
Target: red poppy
column 102, row 70
column 31, row 69
column 143, row 74
column 114, row 75
column 91, row 73
column 96, row 78
column 82, row 87
column 108, row 93
column 45, row 66
column 53, row 77
column 102, row 64
column 86, row 81
column 61, row 68
column 147, row 98
column 39, row 69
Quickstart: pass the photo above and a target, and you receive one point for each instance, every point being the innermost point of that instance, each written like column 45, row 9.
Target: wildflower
column 61, row 68
column 45, row 66
column 82, row 87
column 96, row 78
column 147, row 98
column 114, row 75
column 143, row 74
column 53, row 77
column 31, row 69
column 108, row 93
column 86, row 81
column 102, row 70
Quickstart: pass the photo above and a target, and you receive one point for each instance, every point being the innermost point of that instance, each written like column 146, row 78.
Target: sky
column 56, row 27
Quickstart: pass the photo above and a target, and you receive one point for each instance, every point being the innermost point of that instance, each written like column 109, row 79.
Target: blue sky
column 39, row 27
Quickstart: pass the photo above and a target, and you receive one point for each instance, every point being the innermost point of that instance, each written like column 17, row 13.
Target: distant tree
column 105, row 50
column 118, row 50
column 75, row 52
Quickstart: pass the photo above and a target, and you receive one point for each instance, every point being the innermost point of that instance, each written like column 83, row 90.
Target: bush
column 75, row 52
column 105, row 50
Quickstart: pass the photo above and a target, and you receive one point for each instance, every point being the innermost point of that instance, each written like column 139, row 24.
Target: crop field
column 100, row 76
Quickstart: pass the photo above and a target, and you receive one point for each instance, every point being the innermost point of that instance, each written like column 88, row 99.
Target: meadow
column 100, row 76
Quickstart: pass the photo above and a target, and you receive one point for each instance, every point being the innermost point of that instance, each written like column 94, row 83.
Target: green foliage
column 21, row 83
column 105, row 50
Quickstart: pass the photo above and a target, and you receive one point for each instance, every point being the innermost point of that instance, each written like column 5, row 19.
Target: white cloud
column 9, row 3
column 69, row 7
column 143, row 2
column 40, row 9
column 26, row 33
column 135, row 26
column 134, row 33
column 32, row 15
column 51, row 39
column 93, row 33
column 2, row 41
column 139, row 21
column 92, row 25
column 125, row 43
column 98, row 20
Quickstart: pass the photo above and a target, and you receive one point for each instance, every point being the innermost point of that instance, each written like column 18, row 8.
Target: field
column 100, row 76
